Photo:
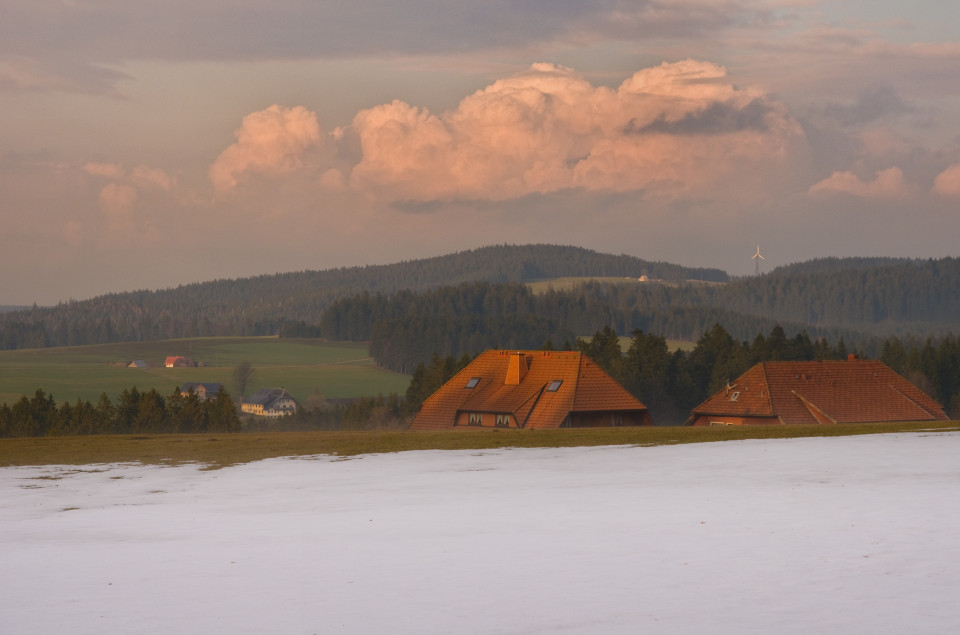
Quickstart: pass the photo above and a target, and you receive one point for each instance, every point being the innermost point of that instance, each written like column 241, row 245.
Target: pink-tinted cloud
column 947, row 182
column 271, row 141
column 888, row 183
column 677, row 126
column 118, row 200
column 151, row 178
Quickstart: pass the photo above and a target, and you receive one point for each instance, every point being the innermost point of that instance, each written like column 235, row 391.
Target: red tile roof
column 853, row 391
column 583, row 388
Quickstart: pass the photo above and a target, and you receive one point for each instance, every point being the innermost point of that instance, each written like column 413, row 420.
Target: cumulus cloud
column 947, row 182
column 271, row 141
column 888, row 183
column 548, row 129
column 118, row 200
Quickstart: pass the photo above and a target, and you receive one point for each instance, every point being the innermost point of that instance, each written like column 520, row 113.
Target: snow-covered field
column 833, row 535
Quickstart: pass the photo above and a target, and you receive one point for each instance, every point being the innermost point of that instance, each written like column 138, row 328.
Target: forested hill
column 260, row 305
column 857, row 297
column 834, row 265
column 879, row 296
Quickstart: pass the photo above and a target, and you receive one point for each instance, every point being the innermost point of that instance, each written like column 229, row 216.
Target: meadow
column 304, row 367
column 214, row 451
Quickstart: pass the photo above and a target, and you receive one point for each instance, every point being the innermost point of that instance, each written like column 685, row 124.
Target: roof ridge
column 811, row 407
column 766, row 388
column 573, row 404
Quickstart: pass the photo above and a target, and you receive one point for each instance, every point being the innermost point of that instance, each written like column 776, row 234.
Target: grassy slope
column 302, row 366
column 221, row 450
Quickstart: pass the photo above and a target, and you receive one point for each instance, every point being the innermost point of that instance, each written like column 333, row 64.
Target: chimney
column 516, row 370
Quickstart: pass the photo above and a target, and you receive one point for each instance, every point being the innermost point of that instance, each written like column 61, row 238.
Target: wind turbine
column 757, row 257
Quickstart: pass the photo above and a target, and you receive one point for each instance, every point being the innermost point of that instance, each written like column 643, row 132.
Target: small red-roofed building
column 825, row 392
column 178, row 361
column 533, row 390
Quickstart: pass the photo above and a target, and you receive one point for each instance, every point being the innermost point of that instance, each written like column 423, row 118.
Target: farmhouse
column 530, row 389
column 178, row 361
column 852, row 391
column 137, row 363
column 204, row 391
column 270, row 402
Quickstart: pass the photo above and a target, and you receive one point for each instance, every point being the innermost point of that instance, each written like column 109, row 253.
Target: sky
column 148, row 145
column 818, row 535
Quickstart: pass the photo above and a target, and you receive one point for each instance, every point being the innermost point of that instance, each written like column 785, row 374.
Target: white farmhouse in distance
column 270, row 402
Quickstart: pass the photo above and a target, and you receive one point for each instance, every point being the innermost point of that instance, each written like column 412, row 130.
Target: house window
column 476, row 419
column 503, row 421
column 473, row 382
column 734, row 396
column 554, row 385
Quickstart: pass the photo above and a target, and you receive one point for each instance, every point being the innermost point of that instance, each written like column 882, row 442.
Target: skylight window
column 473, row 382
column 734, row 396
column 554, row 385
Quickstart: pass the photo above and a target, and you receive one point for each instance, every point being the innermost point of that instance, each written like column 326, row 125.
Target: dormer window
column 554, row 385
column 473, row 382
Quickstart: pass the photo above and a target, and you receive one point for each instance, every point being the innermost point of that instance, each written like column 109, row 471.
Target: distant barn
column 178, row 361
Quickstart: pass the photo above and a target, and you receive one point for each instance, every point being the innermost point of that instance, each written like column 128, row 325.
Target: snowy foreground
column 840, row 535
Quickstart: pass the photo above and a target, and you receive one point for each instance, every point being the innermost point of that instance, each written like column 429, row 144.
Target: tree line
column 268, row 304
column 133, row 412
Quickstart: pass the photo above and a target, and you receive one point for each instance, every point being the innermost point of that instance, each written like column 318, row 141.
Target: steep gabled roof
column 552, row 384
column 853, row 391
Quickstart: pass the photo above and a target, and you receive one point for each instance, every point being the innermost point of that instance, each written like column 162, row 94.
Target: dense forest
column 406, row 328
column 854, row 298
column 262, row 305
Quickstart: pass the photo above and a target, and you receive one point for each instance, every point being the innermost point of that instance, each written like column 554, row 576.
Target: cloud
column 115, row 30
column 80, row 46
column 888, row 183
column 717, row 118
column 271, row 141
column 19, row 73
column 118, row 200
column 872, row 103
column 947, row 182
column 107, row 170
column 677, row 125
column 152, row 178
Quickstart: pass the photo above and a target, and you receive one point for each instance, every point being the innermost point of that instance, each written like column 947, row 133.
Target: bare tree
column 243, row 376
